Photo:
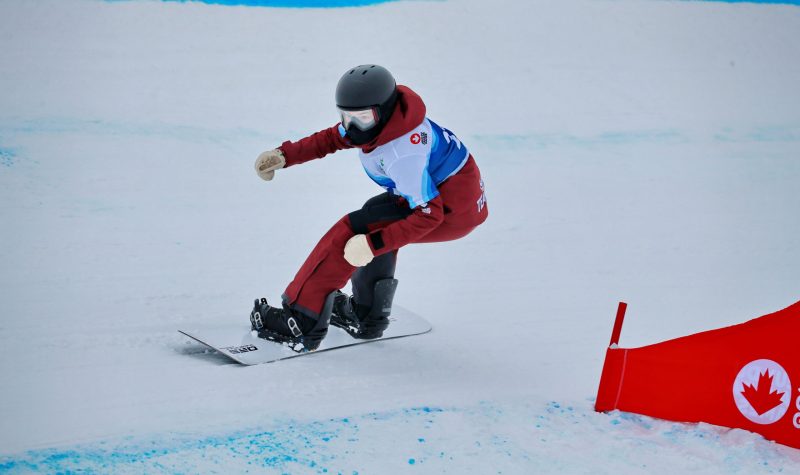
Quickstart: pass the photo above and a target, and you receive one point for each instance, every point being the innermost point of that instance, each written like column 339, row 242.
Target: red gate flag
column 745, row 376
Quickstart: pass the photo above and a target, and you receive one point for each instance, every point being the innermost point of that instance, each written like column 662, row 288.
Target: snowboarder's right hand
column 268, row 162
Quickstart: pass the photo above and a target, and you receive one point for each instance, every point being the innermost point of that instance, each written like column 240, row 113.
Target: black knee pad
column 378, row 208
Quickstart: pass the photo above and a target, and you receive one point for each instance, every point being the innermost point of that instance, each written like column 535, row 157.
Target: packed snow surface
column 637, row 150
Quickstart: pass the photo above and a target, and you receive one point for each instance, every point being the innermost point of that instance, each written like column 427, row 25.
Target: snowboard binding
column 290, row 327
column 362, row 322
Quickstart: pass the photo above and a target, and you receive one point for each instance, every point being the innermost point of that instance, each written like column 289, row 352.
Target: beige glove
column 357, row 251
column 268, row 162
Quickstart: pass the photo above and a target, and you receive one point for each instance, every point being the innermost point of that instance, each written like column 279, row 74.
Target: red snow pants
column 326, row 270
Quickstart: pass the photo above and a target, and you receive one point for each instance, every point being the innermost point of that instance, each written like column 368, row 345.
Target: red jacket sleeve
column 316, row 145
column 405, row 231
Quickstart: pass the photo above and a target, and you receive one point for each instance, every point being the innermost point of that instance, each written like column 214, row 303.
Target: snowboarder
column 434, row 194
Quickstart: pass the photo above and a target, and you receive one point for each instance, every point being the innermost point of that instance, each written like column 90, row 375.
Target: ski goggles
column 363, row 119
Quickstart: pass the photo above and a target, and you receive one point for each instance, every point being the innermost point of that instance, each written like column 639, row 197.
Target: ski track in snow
column 508, row 142
column 487, row 438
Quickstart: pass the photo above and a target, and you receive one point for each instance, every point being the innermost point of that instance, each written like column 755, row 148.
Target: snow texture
column 633, row 150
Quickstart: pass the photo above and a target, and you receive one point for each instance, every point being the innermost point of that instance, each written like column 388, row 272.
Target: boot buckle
column 257, row 322
column 294, row 327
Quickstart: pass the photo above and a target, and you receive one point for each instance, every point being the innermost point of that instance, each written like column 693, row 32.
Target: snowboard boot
column 297, row 330
column 362, row 322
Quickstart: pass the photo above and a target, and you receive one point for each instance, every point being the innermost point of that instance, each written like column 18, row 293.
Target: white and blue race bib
column 414, row 164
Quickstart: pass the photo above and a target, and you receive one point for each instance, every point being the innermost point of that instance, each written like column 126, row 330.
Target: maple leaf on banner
column 762, row 397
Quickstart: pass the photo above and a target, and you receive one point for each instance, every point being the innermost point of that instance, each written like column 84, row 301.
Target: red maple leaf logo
column 762, row 397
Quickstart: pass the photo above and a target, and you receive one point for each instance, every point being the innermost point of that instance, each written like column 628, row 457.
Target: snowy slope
column 632, row 150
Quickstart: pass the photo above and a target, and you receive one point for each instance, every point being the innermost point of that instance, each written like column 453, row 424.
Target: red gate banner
column 745, row 376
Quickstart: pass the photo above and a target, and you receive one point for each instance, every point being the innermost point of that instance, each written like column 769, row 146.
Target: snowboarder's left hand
column 357, row 251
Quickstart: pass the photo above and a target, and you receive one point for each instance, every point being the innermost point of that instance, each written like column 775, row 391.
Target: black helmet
column 368, row 86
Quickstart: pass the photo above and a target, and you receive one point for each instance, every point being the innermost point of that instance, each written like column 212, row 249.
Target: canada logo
column 762, row 391
column 415, row 139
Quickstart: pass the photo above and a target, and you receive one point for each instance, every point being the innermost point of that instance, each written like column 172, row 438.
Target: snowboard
column 242, row 345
